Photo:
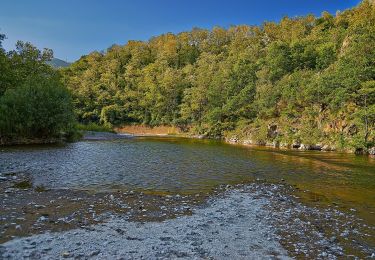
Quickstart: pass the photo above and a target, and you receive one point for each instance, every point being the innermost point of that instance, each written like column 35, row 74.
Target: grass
column 95, row 127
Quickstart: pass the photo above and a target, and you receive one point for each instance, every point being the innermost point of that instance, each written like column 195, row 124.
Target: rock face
column 371, row 151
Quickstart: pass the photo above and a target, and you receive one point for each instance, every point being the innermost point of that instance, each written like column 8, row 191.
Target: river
column 180, row 167
column 185, row 166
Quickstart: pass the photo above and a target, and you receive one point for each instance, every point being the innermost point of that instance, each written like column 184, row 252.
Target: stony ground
column 257, row 220
column 231, row 227
column 26, row 209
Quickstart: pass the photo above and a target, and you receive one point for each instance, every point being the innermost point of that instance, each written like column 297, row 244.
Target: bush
column 36, row 109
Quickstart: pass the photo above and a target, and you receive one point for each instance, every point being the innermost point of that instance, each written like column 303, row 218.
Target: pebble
column 95, row 252
column 65, row 255
column 43, row 218
column 297, row 225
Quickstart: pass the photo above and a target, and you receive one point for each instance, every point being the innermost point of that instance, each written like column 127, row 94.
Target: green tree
column 34, row 103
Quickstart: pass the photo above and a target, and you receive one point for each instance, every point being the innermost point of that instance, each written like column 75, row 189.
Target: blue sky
column 76, row 27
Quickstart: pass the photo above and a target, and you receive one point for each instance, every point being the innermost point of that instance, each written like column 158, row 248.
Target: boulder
column 232, row 140
column 248, row 141
column 327, row 147
column 296, row 145
column 316, row 147
column 304, row 147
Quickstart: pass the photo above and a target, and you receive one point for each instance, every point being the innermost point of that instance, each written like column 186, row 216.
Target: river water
column 186, row 166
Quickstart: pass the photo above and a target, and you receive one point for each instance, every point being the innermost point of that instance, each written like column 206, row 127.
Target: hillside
column 306, row 82
column 57, row 63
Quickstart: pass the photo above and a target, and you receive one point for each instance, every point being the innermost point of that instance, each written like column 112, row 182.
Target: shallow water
column 179, row 165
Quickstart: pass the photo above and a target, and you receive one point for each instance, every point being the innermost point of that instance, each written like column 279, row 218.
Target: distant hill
column 57, row 63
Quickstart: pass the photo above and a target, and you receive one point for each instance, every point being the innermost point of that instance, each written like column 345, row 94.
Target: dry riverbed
column 255, row 220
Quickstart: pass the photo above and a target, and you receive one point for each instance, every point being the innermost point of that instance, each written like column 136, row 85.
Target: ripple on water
column 189, row 166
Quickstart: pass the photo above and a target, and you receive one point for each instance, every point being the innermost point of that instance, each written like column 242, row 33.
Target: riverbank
column 218, row 230
column 299, row 146
column 30, row 141
column 141, row 130
column 100, row 136
column 129, row 131
column 85, row 135
column 255, row 220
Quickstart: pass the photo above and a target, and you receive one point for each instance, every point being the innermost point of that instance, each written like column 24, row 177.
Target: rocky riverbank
column 255, row 220
column 100, row 136
column 140, row 130
column 297, row 146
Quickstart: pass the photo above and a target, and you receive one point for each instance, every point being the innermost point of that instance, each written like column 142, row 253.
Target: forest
column 303, row 80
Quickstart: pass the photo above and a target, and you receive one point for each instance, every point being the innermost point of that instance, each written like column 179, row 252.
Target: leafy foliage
column 310, row 79
column 33, row 102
